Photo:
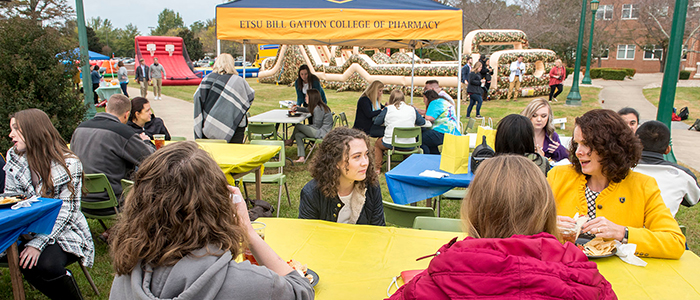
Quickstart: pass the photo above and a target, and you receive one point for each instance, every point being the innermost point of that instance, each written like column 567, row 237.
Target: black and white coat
column 71, row 230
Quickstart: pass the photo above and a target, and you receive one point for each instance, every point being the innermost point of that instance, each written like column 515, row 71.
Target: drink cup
column 259, row 228
column 568, row 234
column 159, row 140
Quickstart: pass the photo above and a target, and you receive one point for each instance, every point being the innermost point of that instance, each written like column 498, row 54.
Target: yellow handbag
column 488, row 131
column 455, row 154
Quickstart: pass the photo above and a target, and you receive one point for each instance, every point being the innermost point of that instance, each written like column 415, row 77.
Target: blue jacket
column 301, row 97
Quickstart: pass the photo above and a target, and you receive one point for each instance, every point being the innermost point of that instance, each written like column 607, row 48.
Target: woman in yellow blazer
column 621, row 204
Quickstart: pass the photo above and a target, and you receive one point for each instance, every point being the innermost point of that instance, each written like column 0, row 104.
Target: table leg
column 15, row 274
column 258, row 184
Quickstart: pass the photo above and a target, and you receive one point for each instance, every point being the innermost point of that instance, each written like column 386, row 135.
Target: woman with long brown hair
column 40, row 164
column 180, row 229
column 513, row 249
column 322, row 122
column 344, row 188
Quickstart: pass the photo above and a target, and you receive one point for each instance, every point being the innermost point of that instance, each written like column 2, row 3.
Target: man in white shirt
column 517, row 69
column 435, row 86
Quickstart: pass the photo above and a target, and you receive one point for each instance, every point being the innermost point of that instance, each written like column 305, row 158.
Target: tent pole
column 459, row 84
column 244, row 60
column 218, row 47
column 413, row 67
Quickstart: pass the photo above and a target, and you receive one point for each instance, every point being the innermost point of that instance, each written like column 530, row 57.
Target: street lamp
column 574, row 97
column 587, row 77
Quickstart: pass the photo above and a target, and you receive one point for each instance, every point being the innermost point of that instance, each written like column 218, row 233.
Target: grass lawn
column 267, row 97
column 685, row 96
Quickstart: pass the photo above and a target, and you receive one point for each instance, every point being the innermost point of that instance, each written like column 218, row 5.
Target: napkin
column 626, row 254
column 433, row 174
column 25, row 203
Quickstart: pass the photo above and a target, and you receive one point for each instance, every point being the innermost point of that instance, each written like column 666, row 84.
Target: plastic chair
column 126, row 187
column 470, row 125
column 278, row 178
column 210, row 141
column 343, row 120
column 178, row 138
column 403, row 215
column 438, row 224
column 98, row 183
column 265, row 131
column 85, row 272
column 404, row 132
column 453, row 194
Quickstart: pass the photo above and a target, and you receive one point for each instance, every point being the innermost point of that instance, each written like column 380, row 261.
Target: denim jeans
column 123, row 85
column 431, row 140
column 475, row 99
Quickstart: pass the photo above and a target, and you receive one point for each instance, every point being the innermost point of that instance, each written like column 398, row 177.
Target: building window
column 604, row 53
column 630, row 11
column 684, row 53
column 625, row 51
column 653, row 52
column 605, row 12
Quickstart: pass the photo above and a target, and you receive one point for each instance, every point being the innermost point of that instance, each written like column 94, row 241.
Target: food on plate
column 11, row 199
column 302, row 269
column 598, row 247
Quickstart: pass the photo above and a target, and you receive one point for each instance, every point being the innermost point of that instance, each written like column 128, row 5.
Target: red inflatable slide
column 172, row 54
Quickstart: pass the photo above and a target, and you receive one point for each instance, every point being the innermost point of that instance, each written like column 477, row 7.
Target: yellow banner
column 334, row 24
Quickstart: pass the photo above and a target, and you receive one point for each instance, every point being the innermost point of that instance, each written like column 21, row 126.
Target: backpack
column 481, row 153
column 684, row 113
column 541, row 162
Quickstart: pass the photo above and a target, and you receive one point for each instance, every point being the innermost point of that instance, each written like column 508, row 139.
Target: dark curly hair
column 336, row 147
column 607, row 134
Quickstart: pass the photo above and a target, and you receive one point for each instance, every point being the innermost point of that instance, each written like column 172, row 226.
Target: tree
column 103, row 29
column 31, row 76
column 168, row 19
column 48, row 12
column 94, row 43
column 198, row 26
column 193, row 45
column 124, row 42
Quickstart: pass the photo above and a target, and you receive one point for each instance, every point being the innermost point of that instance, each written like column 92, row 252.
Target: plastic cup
column 568, row 234
column 259, row 228
column 159, row 140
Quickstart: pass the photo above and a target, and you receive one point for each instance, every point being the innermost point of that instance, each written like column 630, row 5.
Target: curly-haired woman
column 344, row 187
column 180, row 230
column 621, row 204
column 40, row 164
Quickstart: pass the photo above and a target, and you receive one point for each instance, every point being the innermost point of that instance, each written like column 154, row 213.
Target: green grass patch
column 685, row 96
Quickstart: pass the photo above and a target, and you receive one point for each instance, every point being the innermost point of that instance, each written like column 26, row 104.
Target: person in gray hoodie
column 181, row 228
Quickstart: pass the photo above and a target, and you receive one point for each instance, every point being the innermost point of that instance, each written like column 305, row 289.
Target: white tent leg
column 459, row 84
column 243, row 60
column 413, row 67
column 218, row 47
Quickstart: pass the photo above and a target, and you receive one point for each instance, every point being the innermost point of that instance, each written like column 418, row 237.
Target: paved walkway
column 177, row 114
column 618, row 94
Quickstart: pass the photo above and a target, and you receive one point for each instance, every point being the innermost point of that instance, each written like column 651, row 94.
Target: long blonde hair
column 535, row 105
column 509, row 195
column 225, row 64
column 371, row 91
column 396, row 97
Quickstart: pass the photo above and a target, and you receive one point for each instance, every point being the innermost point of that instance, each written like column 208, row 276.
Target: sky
column 144, row 14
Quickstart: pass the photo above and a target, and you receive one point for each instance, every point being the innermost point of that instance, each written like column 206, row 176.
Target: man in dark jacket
column 106, row 145
column 143, row 76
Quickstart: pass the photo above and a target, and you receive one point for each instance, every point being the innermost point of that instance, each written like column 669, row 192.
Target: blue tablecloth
column 38, row 218
column 405, row 186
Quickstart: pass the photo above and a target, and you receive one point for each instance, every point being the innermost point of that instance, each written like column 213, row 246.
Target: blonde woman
column 369, row 106
column 513, row 241
column 546, row 139
column 214, row 108
column 396, row 114
column 556, row 79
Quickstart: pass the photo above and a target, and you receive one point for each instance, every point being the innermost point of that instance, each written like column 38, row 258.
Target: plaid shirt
column 71, row 230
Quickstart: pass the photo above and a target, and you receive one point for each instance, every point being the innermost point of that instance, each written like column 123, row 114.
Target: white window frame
column 684, row 53
column 603, row 11
column 632, row 9
column 653, row 53
column 627, row 48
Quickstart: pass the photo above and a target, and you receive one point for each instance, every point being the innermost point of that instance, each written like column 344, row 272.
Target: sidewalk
column 177, row 114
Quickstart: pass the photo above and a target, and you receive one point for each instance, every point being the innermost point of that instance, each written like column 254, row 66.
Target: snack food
column 598, row 247
column 10, row 199
column 302, row 269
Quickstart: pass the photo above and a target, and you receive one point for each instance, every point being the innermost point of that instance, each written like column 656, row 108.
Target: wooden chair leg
column 287, row 190
column 89, row 278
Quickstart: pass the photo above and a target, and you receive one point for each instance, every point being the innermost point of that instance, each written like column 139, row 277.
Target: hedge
column 684, row 75
column 569, row 71
column 610, row 74
column 598, row 72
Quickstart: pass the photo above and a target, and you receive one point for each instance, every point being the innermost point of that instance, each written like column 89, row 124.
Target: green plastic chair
column 264, row 131
column 438, row 224
column 313, row 142
column 210, row 141
column 404, row 132
column 470, row 125
column 126, row 187
column 98, row 183
column 342, row 120
column 178, row 138
column 279, row 178
column 453, row 194
column 403, row 215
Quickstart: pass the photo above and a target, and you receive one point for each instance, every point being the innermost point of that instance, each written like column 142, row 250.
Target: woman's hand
column 29, row 257
column 566, row 222
column 552, row 147
column 604, row 228
column 241, row 208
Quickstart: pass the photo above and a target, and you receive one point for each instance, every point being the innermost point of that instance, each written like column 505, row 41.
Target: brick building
column 619, row 26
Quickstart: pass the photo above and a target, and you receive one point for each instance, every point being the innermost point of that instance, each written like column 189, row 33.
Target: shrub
column 596, row 73
column 684, row 75
column 31, row 76
column 630, row 72
column 569, row 71
column 610, row 74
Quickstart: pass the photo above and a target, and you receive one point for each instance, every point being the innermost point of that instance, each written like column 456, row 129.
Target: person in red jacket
column 513, row 250
column 556, row 80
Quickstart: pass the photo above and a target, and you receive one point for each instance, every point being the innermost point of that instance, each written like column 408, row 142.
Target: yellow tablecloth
column 358, row 261
column 238, row 158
